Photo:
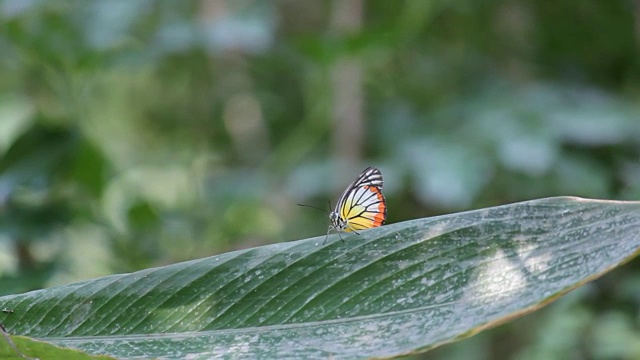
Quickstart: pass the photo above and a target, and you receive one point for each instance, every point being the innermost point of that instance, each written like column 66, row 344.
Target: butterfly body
column 362, row 205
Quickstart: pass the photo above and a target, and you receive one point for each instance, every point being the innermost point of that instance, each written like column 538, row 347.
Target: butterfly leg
column 327, row 236
column 331, row 227
column 353, row 230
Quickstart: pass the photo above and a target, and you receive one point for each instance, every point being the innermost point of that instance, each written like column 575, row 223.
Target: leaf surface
column 397, row 289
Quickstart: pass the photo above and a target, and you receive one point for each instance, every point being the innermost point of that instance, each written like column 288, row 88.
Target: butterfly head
column 337, row 222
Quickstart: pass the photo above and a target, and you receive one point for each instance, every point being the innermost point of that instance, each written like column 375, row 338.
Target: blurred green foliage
column 140, row 133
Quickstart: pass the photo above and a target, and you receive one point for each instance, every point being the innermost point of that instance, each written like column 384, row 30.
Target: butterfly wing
column 362, row 205
column 368, row 177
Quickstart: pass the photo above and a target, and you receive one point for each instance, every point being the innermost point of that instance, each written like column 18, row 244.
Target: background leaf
column 393, row 290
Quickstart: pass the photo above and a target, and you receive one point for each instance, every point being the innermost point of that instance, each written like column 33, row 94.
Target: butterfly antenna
column 313, row 207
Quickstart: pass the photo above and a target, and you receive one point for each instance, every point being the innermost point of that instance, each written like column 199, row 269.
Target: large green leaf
column 398, row 289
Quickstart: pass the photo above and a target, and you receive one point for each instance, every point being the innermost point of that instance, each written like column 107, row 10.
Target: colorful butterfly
column 362, row 205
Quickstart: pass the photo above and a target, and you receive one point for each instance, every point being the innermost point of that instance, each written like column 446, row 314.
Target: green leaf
column 398, row 289
column 24, row 348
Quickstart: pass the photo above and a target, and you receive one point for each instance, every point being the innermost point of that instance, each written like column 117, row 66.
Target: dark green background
column 142, row 133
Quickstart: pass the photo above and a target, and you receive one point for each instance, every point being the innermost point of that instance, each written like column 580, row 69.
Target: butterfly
column 362, row 205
